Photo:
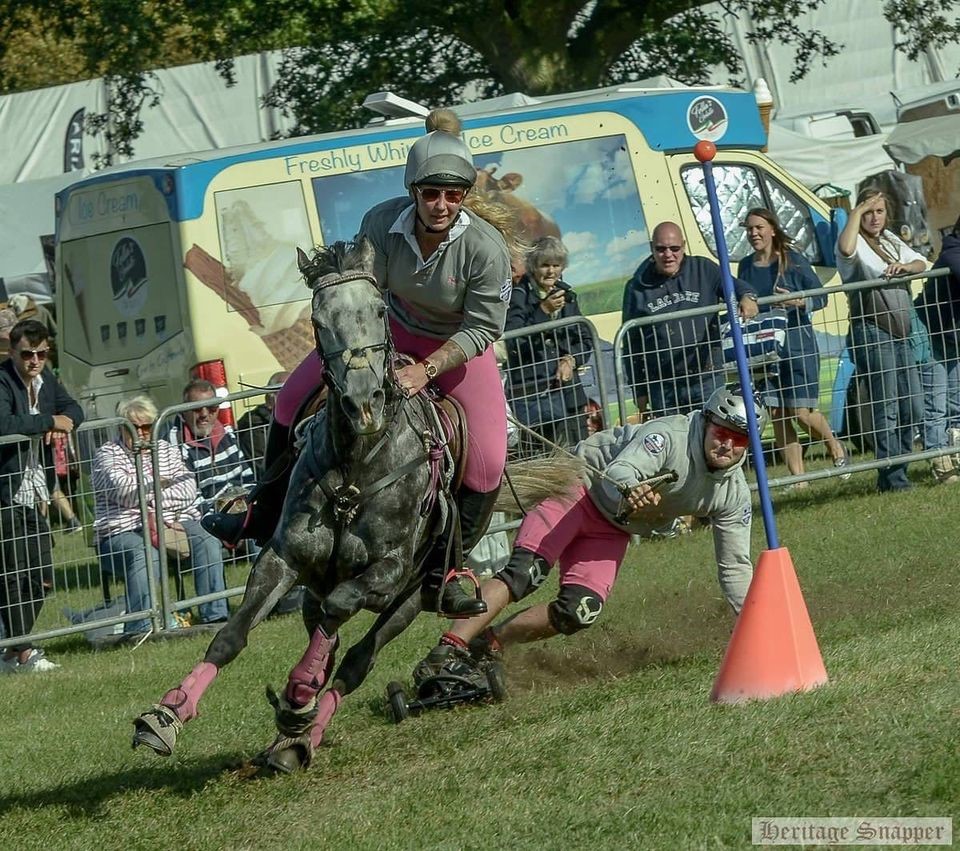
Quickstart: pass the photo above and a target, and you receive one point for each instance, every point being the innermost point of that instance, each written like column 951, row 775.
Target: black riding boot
column 265, row 499
column 475, row 510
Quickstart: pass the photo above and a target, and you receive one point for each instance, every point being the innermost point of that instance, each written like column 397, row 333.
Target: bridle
column 360, row 354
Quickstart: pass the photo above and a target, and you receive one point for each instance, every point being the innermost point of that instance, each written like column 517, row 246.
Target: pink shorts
column 476, row 386
column 574, row 533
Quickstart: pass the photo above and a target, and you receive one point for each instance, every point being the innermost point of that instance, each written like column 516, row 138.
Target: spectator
column 933, row 381
column 62, row 476
column 211, row 451
column 254, row 424
column 879, row 335
column 543, row 384
column 118, row 527
column 32, row 403
column 588, row 534
column 674, row 364
column 794, row 392
column 939, row 309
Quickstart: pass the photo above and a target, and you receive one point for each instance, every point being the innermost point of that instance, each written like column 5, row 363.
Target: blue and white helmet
column 729, row 409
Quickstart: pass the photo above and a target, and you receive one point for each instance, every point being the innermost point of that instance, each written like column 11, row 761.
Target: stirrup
column 462, row 605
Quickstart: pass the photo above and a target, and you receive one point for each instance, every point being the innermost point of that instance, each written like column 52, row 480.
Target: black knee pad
column 524, row 573
column 574, row 609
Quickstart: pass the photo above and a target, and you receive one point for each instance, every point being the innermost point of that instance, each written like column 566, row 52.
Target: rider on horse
column 447, row 277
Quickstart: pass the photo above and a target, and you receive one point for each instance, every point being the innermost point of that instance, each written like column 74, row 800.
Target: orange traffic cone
column 772, row 650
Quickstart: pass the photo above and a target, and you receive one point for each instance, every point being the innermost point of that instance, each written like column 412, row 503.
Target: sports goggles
column 737, row 438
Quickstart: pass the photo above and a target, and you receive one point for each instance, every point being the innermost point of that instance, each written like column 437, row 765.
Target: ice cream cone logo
column 707, row 118
column 128, row 276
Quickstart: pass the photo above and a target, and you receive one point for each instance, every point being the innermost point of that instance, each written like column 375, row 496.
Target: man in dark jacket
column 32, row 403
column 675, row 363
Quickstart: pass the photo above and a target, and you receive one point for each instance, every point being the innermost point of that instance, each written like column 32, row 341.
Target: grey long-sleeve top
column 632, row 453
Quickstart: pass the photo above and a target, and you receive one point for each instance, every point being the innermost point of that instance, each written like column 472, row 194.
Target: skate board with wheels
column 448, row 689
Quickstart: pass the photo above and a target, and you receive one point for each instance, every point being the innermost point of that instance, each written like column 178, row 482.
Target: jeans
column 893, row 379
column 933, row 379
column 123, row 556
column 206, row 564
column 25, row 561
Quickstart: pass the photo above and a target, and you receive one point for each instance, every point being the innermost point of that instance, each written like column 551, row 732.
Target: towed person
column 588, row 532
column 446, row 272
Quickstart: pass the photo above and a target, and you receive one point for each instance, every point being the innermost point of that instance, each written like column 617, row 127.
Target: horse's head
column 350, row 326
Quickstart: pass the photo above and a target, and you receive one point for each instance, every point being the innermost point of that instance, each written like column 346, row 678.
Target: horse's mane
column 338, row 258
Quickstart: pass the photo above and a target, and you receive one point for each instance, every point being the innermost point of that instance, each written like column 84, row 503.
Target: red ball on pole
column 704, row 150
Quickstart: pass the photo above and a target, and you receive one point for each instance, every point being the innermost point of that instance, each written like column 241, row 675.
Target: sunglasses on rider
column 430, row 194
column 737, row 438
column 663, row 249
column 30, row 354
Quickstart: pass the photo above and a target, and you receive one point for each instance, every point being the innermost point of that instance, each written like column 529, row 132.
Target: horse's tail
column 530, row 482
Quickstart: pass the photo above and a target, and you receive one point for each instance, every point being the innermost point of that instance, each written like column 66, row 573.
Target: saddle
column 449, row 418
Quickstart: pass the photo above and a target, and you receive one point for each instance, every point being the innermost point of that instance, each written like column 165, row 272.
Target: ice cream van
column 188, row 266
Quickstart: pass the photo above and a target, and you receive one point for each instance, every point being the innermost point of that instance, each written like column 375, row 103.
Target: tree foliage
column 334, row 52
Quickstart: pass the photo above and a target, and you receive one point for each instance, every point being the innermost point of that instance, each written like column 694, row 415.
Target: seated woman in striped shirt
column 118, row 526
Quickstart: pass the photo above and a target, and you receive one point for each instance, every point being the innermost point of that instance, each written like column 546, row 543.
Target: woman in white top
column 879, row 334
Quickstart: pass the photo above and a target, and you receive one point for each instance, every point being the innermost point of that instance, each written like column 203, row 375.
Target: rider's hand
column 412, row 379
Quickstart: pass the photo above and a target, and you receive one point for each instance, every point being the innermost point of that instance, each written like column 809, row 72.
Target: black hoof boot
column 228, row 528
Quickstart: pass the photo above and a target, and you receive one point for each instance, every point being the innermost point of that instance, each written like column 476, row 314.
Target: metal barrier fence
column 105, row 572
column 879, row 392
column 556, row 382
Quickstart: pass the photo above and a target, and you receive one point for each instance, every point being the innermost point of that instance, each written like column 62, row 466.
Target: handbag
column 175, row 540
column 764, row 339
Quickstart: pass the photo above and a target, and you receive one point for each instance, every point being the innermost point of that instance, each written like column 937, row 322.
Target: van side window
column 739, row 187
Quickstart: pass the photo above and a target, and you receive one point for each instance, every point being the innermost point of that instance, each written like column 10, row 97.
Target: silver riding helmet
column 440, row 159
column 729, row 409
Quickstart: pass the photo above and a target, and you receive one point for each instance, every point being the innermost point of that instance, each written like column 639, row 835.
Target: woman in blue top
column 775, row 268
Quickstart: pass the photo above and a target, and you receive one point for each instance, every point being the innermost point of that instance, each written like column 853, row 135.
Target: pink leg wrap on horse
column 310, row 673
column 184, row 698
column 327, row 705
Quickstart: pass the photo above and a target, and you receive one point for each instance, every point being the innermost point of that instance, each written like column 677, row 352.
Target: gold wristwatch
column 430, row 369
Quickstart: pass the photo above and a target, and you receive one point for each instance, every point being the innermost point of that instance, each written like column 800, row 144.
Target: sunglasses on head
column 452, row 195
column 737, row 438
column 663, row 249
column 30, row 354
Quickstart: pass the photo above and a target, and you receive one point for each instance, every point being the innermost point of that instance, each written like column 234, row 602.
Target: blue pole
column 756, row 447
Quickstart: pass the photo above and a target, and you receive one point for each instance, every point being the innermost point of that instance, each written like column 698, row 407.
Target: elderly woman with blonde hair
column 118, row 527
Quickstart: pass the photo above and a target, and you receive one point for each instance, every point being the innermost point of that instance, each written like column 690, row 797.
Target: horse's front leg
column 301, row 717
column 269, row 580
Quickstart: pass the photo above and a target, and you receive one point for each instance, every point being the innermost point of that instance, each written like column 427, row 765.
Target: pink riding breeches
column 476, row 386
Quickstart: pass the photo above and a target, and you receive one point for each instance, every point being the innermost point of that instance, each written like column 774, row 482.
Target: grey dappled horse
column 359, row 516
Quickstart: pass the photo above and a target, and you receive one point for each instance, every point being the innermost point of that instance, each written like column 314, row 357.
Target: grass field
column 607, row 740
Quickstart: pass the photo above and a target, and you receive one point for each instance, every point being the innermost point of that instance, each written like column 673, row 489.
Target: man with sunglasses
column 675, row 363
column 32, row 403
column 587, row 535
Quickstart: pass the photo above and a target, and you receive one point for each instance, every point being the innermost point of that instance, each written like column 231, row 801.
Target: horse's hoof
column 289, row 760
column 286, row 755
column 157, row 729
